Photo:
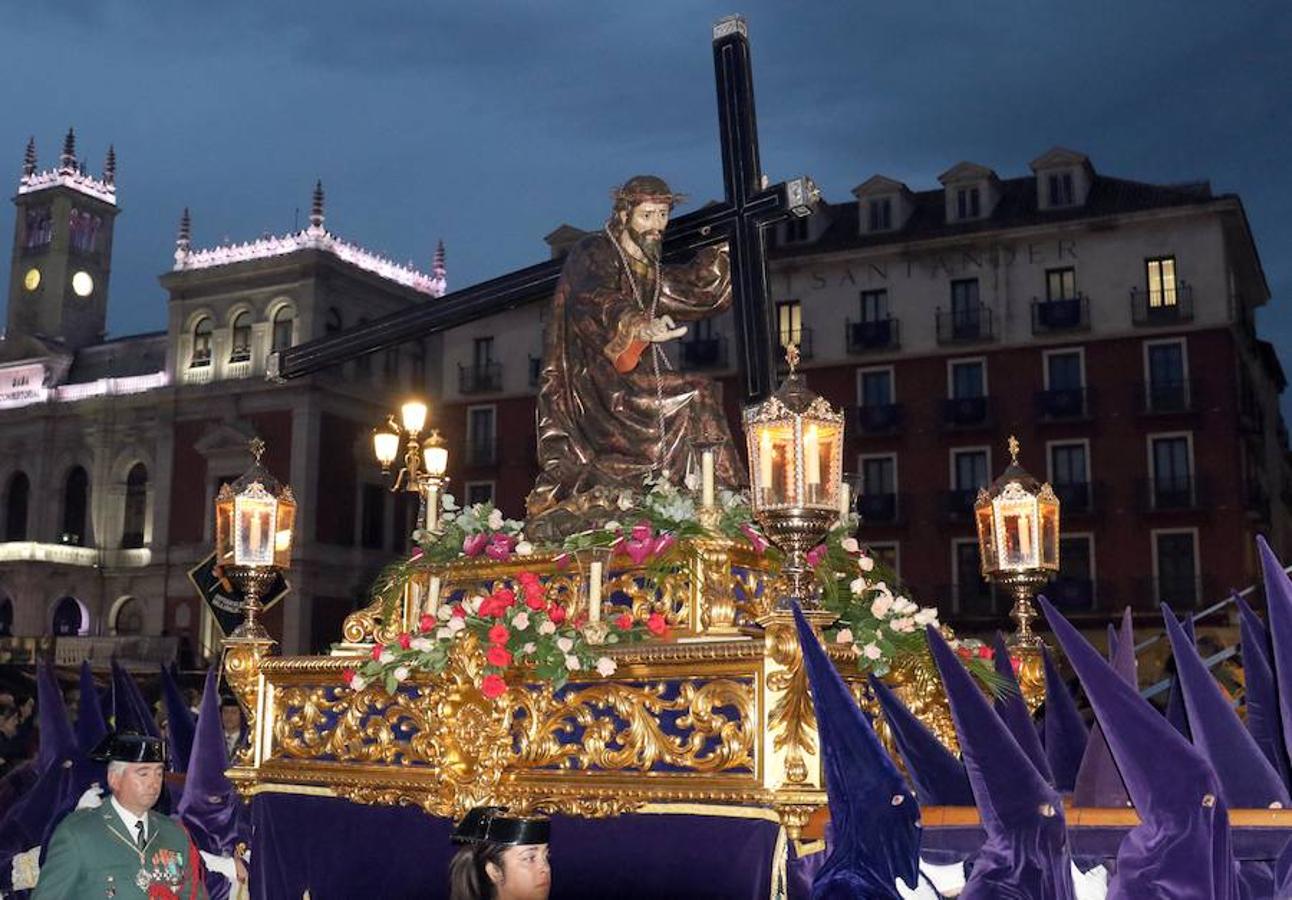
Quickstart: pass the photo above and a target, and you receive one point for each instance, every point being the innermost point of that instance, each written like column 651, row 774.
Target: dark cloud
column 488, row 124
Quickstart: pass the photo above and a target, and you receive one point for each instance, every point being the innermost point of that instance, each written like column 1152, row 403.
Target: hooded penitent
column 1026, row 851
column 1065, row 731
column 1099, row 783
column 90, row 724
column 1181, row 848
column 875, row 820
column 1013, row 711
column 130, row 709
column 938, row 776
column 1261, row 696
column 179, row 722
column 1176, row 712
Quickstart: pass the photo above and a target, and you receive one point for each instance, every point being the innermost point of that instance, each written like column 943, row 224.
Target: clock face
column 82, row 284
column 31, row 280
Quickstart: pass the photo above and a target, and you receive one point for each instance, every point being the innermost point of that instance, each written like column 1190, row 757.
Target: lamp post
column 795, row 442
column 425, row 462
column 1018, row 540
column 254, row 521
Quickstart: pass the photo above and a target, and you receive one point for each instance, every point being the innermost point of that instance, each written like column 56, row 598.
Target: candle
column 433, row 596
column 594, row 591
column 765, row 460
column 811, row 459
column 845, row 501
column 706, row 478
column 253, row 541
column 1025, row 538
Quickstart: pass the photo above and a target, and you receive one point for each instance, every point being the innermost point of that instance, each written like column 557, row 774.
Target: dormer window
column 796, row 229
column 968, row 203
column 881, row 214
column 1061, row 189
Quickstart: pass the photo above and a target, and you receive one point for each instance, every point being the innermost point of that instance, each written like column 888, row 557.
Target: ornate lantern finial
column 1013, row 450
column 792, row 357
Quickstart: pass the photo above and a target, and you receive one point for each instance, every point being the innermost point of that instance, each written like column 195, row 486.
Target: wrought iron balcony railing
column 874, row 335
column 482, row 378
column 1170, row 307
column 880, row 418
column 965, row 326
column 1070, row 314
column 966, row 412
column 1065, row 404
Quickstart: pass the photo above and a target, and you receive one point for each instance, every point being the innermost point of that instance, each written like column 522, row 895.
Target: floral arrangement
column 517, row 626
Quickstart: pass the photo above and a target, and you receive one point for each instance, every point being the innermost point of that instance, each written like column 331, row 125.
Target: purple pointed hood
column 1013, row 711
column 938, row 776
column 1026, row 851
column 91, row 727
column 1065, row 730
column 1181, row 848
column 131, row 712
column 1112, row 641
column 1247, row 780
column 57, row 739
column 1278, row 600
column 179, row 722
column 1176, row 712
column 1099, row 783
column 1261, row 695
column 874, row 818
column 210, row 807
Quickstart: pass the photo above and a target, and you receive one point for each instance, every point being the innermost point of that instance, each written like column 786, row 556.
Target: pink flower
column 426, row 622
column 459, row 611
column 500, row 546
column 493, row 687
column 416, row 554
column 474, row 544
column 759, row 542
column 663, row 543
column 377, row 650
column 556, row 612
column 642, row 531
column 985, row 652
column 498, row 656
column 656, row 624
column 348, row 676
column 562, row 562
column 499, row 634
column 817, row 554
column 624, row 621
column 404, row 640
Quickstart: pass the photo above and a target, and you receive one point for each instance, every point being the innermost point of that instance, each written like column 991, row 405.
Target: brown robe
column 598, row 406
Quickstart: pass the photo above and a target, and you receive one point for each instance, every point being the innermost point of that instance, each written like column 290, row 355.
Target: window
column 1060, row 284
column 877, row 387
column 372, row 512
column 479, row 492
column 968, row 204
column 966, row 322
column 972, row 592
column 201, row 342
column 76, row 496
column 39, row 227
column 1063, row 371
column 17, row 497
column 1176, row 567
column 881, row 214
column 70, row 618
column 968, row 380
column 241, row 338
column 284, row 326
column 1168, row 384
column 1068, row 464
column 482, row 352
column 129, row 617
column 969, row 469
column 789, row 322
column 1061, row 193
column 132, row 532
column 83, row 230
column 796, row 229
column 874, row 306
column 1161, row 281
column 1172, row 470
column 1074, row 589
column 480, row 435
column 879, row 475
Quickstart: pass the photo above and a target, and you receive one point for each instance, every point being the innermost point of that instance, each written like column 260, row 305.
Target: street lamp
column 795, row 441
column 1018, row 539
column 254, row 521
column 425, row 462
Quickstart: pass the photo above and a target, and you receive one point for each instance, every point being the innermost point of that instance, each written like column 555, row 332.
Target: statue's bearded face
column 646, row 223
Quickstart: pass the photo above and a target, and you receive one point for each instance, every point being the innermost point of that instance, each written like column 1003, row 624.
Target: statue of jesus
column 611, row 412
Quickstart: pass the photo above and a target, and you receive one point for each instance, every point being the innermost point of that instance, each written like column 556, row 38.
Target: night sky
column 488, row 124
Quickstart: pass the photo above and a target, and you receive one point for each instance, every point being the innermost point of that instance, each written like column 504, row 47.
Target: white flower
column 495, row 520
column 444, row 611
column 455, row 625
column 844, row 636
column 880, row 606
column 625, row 500
column 386, row 657
column 612, row 525
column 529, row 648
column 400, row 673
column 547, row 626
column 903, row 625
column 859, row 586
column 926, row 616
column 524, row 548
column 564, row 644
column 358, row 683
column 473, row 604
column 520, row 620
column 866, row 563
column 571, row 662
column 421, row 644
column 449, row 503
column 850, row 545
column 903, row 606
column 692, row 481
column 606, row 667
column 871, row 651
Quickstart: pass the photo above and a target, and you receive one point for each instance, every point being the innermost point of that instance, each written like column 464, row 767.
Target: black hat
column 130, row 747
column 492, row 825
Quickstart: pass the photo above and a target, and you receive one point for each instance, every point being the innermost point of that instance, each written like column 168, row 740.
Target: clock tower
column 62, row 250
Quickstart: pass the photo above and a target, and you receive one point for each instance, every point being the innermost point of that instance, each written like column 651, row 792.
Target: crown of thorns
column 646, row 188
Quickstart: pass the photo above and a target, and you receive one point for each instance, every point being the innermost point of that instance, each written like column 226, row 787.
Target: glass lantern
column 255, row 520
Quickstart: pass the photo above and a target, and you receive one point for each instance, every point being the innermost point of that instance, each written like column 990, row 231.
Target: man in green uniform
column 122, row 849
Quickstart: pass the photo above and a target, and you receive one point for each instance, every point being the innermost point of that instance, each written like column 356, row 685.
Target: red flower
column 656, row 625
column 964, row 652
column 562, row 562
column 534, row 597
column 348, row 676
column 377, row 650
column 663, row 543
column 759, row 542
column 624, row 621
column 474, row 544
column 556, row 612
column 459, row 612
column 817, row 554
column 642, row 531
column 404, row 640
column 493, row 687
column 984, row 652
column 505, row 596
column 426, row 622
column 499, row 634
column 498, row 656
column 1015, row 663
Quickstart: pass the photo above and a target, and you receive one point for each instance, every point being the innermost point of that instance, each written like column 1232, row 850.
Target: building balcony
column 971, row 600
column 482, row 452
column 966, row 412
column 1178, row 591
column 240, row 368
column 1071, row 594
column 880, row 509
column 1168, row 397
column 703, row 353
column 1077, row 498
column 957, row 505
column 1158, row 310
column 873, row 336
column 972, row 326
column 1174, row 494
column 1055, row 316
column 801, row 336
column 880, row 419
column 1065, row 404
column 482, row 378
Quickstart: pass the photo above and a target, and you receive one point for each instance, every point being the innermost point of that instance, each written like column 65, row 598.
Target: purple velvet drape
column 340, row 850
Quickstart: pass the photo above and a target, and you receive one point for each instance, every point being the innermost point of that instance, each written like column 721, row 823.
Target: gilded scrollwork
column 792, row 720
column 242, row 661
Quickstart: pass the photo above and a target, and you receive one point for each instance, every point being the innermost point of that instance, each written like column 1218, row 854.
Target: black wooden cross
column 740, row 220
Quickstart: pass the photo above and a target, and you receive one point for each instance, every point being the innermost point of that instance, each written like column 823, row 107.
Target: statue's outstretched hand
column 663, row 329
